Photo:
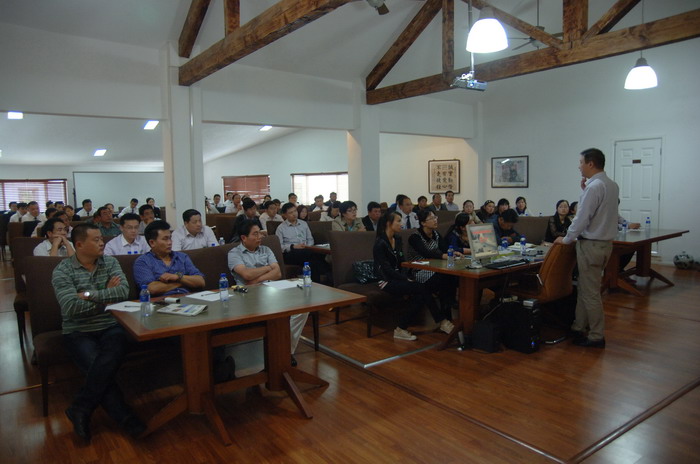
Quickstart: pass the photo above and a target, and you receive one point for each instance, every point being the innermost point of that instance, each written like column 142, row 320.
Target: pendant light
column 487, row 34
column 641, row 76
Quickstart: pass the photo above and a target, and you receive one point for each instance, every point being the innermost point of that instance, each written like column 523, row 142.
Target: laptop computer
column 482, row 242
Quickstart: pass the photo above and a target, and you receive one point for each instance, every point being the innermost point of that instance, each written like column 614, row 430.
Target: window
column 39, row 190
column 307, row 186
column 256, row 187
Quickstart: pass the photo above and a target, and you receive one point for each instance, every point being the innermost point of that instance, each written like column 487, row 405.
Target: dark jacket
column 387, row 261
column 555, row 228
column 368, row 224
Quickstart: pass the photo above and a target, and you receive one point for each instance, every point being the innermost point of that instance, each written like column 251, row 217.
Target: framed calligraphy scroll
column 443, row 175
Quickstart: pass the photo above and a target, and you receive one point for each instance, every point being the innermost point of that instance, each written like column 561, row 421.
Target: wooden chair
column 21, row 248
column 319, row 230
column 314, row 216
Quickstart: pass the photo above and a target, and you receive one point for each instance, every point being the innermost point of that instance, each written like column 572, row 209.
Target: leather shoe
column 133, row 426
column 588, row 343
column 294, row 361
column 576, row 336
column 81, row 423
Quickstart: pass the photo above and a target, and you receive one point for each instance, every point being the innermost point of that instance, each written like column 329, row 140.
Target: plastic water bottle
column 145, row 299
column 307, row 274
column 223, row 288
column 624, row 227
column 523, row 245
column 450, row 257
column 504, row 244
column 222, row 241
column 647, row 224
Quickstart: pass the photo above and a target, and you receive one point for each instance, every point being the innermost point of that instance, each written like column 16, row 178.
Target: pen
column 132, row 306
column 300, row 287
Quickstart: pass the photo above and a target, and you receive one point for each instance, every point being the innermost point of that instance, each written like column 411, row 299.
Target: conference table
column 262, row 312
column 471, row 283
column 639, row 241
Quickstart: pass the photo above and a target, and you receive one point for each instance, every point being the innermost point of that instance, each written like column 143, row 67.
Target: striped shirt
column 70, row 278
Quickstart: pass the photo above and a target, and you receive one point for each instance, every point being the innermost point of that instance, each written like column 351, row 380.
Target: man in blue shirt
column 166, row 272
column 504, row 227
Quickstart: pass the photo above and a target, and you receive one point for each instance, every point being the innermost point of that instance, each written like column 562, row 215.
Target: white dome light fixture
column 641, row 76
column 487, row 34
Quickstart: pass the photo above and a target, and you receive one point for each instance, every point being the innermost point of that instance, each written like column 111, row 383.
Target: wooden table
column 264, row 312
column 471, row 283
column 641, row 242
column 323, row 250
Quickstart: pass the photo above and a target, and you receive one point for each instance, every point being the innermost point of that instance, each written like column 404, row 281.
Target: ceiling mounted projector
column 467, row 81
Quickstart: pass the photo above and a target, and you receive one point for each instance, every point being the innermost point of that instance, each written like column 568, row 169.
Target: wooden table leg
column 469, row 295
column 612, row 278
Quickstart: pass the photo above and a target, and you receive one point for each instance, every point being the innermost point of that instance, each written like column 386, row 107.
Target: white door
column 638, row 173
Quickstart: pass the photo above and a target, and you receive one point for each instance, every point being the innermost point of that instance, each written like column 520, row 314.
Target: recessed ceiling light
column 100, row 152
column 150, row 125
column 15, row 115
column 265, row 128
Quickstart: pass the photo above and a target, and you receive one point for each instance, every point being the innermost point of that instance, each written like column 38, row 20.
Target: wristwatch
column 86, row 295
column 179, row 276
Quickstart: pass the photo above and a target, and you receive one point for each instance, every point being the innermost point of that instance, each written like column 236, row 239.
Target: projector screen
column 118, row 188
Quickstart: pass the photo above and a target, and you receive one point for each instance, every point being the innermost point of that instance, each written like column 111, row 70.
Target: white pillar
column 183, row 163
column 363, row 154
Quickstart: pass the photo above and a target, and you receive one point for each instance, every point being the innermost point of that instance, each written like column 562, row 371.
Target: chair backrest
column 211, row 262
column 44, row 310
column 273, row 242
column 272, row 227
column 556, row 271
column 532, row 227
column 210, row 219
column 319, row 230
column 14, row 229
column 4, row 220
column 314, row 216
column 163, row 213
column 446, row 217
column 346, row 248
column 21, row 248
column 224, row 225
column 126, row 262
column 28, row 227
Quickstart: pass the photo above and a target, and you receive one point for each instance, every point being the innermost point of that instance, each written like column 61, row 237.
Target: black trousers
column 420, row 295
column 317, row 261
column 445, row 286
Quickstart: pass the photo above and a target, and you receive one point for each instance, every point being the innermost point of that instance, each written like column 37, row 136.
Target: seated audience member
column 502, row 205
column 458, row 235
column 559, row 223
column 331, row 213
column 374, row 212
column 318, row 204
column 48, row 214
column 572, row 210
column 450, row 204
column 426, row 243
column 152, row 202
column 292, row 198
column 59, row 205
column 103, row 220
column 270, row 214
column 49, row 204
column 217, row 201
column 468, row 209
column 147, row 216
column 33, row 213
column 192, row 234
column 70, row 212
column 393, row 278
column 84, row 284
column 209, row 207
column 384, row 207
column 234, row 207
column 265, row 199
column 333, row 198
column 504, row 227
column 56, row 243
column 11, row 208
column 294, row 237
column 252, row 263
column 422, row 204
column 129, row 242
column 404, row 206
column 229, row 199
column 303, row 213
column 86, row 211
column 436, row 205
column 249, row 211
column 347, row 220
column 521, row 207
column 487, row 212
column 627, row 257
column 21, row 211
column 166, row 272
column 132, row 208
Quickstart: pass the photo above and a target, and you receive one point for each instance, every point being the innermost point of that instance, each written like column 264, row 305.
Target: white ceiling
column 344, row 44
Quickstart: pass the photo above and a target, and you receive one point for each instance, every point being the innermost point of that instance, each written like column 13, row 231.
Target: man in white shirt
column 129, row 242
column 294, row 237
column 56, row 243
column 86, row 210
column 132, row 208
column 217, row 201
column 21, row 211
column 404, row 206
column 33, row 213
column 318, row 204
column 193, row 234
column 450, row 205
column 147, row 216
column 48, row 214
column 270, row 214
column 594, row 227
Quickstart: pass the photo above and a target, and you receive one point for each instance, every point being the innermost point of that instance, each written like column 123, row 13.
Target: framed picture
column 509, row 172
column 443, row 175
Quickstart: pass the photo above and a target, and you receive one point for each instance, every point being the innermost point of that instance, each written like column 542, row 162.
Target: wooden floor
column 637, row 401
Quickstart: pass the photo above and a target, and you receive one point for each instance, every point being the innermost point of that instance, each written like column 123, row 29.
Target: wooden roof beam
column 448, row 35
column 610, row 18
column 280, row 19
column 190, row 30
column 575, row 20
column 520, row 25
column 417, row 25
column 232, row 16
column 665, row 31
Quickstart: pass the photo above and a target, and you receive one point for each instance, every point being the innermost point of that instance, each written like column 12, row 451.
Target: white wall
column 404, row 165
column 552, row 116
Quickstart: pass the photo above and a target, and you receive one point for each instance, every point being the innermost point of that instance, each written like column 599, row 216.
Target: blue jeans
column 99, row 355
